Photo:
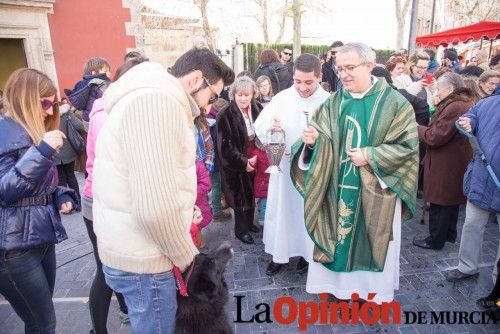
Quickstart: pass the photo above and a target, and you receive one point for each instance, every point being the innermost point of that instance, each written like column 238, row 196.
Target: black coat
column 232, row 139
column 279, row 75
column 329, row 75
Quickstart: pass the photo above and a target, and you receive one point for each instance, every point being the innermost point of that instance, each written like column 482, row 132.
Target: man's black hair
column 336, row 44
column 307, row 63
column 132, row 54
column 451, row 54
column 380, row 72
column 204, row 60
column 472, row 71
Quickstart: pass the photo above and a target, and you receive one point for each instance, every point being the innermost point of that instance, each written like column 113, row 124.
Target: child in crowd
column 203, row 187
column 96, row 77
column 261, row 179
column 205, row 153
column 215, row 194
column 265, row 90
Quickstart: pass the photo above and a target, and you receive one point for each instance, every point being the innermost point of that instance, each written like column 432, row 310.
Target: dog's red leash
column 181, row 285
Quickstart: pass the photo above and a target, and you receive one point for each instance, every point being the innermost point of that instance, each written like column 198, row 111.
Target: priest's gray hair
column 366, row 54
column 451, row 79
column 244, row 83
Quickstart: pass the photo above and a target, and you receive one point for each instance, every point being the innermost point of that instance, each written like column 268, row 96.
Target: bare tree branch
column 285, row 12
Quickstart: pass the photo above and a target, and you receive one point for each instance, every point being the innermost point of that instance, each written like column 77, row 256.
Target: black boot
column 302, row 266
column 273, row 268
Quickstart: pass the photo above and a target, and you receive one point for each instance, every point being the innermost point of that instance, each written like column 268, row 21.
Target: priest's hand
column 310, row 135
column 277, row 123
column 357, row 157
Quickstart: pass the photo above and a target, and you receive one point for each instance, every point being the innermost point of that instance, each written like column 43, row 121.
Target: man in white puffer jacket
column 144, row 182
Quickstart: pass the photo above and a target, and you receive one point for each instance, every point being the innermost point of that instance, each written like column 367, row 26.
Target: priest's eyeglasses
column 348, row 69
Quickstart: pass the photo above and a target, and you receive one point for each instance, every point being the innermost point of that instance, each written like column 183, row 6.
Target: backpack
column 74, row 137
column 280, row 77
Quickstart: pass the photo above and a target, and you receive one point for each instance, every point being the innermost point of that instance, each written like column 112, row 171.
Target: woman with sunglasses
column 30, row 200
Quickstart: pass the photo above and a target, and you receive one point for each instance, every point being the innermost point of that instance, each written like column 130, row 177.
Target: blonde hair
column 414, row 58
column 243, row 83
column 22, row 102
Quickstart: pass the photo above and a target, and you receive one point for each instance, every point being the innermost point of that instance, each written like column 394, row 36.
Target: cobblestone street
column 422, row 284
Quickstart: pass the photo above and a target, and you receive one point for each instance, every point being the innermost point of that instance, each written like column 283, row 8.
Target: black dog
column 202, row 311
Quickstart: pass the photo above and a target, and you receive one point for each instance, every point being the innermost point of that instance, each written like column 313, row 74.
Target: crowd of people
column 168, row 151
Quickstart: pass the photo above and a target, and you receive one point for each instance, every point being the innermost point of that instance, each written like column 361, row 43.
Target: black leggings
column 67, row 177
column 100, row 292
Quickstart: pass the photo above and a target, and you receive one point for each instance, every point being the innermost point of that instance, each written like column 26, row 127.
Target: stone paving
column 422, row 284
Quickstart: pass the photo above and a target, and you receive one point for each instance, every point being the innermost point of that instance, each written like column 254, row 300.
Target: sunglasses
column 287, row 53
column 214, row 96
column 47, row 104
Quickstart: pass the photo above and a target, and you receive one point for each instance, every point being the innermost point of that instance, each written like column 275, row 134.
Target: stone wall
column 27, row 20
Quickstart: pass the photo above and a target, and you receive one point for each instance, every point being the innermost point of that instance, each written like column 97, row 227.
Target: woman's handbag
column 75, row 139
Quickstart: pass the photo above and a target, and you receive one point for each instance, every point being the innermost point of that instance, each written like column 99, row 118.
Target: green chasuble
column 347, row 213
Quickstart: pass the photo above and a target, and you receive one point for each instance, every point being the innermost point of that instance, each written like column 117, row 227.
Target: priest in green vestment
column 354, row 165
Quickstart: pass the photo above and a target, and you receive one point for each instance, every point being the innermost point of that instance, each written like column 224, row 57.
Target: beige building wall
column 27, row 20
column 160, row 37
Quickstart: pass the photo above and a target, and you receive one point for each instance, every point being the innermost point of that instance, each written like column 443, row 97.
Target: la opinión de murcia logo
column 286, row 310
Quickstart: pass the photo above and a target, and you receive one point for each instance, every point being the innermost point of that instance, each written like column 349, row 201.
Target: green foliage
column 253, row 50
column 383, row 55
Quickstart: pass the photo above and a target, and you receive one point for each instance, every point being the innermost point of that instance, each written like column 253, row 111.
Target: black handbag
column 74, row 137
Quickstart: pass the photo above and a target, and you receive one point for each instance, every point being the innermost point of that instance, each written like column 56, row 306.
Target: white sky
column 370, row 21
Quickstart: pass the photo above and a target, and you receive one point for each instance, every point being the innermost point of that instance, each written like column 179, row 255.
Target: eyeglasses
column 423, row 68
column 333, row 52
column 348, row 69
column 287, row 53
column 214, row 96
column 47, row 104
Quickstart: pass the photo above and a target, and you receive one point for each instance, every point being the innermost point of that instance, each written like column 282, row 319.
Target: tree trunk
column 400, row 17
column 400, row 35
column 206, row 26
column 296, row 28
column 264, row 21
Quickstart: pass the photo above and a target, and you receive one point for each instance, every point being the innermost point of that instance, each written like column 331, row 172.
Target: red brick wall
column 84, row 29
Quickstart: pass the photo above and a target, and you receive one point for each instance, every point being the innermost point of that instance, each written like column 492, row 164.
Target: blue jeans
column 27, row 280
column 215, row 193
column 262, row 209
column 151, row 299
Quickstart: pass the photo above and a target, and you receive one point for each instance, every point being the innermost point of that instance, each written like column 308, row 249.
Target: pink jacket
column 261, row 180
column 204, row 186
column 97, row 117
